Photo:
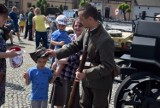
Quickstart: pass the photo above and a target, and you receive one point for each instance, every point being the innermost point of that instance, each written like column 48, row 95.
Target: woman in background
column 39, row 28
column 22, row 21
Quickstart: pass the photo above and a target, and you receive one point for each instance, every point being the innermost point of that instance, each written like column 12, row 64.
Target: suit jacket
column 100, row 52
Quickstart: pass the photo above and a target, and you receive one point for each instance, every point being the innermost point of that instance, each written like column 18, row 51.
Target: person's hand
column 54, row 66
column 50, row 52
column 80, row 75
column 25, row 75
column 33, row 36
column 61, row 43
column 11, row 53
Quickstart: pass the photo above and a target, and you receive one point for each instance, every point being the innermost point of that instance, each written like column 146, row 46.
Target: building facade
column 2, row 1
column 108, row 8
column 66, row 4
column 11, row 3
column 25, row 4
column 146, row 9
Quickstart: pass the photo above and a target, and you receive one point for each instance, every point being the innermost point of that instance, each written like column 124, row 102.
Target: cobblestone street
column 17, row 93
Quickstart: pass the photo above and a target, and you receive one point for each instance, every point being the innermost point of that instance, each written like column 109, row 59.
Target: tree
column 42, row 4
column 82, row 2
column 38, row 4
column 125, row 8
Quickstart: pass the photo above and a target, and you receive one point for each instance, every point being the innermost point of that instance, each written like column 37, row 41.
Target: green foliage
column 83, row 2
column 125, row 8
column 42, row 4
column 42, row 9
column 129, row 10
column 38, row 4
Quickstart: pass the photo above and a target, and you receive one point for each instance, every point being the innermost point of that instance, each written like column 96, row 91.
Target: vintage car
column 122, row 40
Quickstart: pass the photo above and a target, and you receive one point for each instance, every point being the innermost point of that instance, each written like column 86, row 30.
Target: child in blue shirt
column 60, row 36
column 40, row 77
column 58, row 39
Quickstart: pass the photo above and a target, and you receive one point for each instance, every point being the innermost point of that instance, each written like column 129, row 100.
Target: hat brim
column 34, row 57
column 38, row 54
column 62, row 23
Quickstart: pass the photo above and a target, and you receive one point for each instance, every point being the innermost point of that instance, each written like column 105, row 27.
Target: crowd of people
column 95, row 80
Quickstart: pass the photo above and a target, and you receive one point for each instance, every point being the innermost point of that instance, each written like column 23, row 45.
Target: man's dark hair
column 89, row 11
column 3, row 10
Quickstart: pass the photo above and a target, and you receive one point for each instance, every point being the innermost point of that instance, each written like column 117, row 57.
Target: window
column 29, row 5
column 10, row 4
column 17, row 4
column 48, row 5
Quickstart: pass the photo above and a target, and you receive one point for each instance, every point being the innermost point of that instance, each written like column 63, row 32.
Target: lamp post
column 65, row 7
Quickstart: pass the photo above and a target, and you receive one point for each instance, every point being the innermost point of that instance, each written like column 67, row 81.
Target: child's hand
column 25, row 75
column 53, row 79
column 61, row 43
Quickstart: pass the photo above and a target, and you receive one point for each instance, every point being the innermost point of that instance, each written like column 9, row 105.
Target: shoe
column 30, row 39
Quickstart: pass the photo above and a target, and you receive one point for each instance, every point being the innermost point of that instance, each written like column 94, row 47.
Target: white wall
column 150, row 11
column 2, row 1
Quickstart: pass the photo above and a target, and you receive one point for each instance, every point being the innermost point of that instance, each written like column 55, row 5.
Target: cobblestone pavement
column 17, row 93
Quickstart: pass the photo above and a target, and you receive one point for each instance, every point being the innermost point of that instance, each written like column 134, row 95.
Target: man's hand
column 50, row 52
column 80, row 75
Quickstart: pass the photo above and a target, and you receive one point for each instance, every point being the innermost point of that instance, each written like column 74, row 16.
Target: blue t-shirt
column 14, row 17
column 60, row 35
column 39, row 79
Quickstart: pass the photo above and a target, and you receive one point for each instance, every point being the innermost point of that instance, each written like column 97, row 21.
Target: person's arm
column 26, row 78
column 70, row 49
column 8, row 54
column 33, row 26
column 20, row 17
column 7, row 24
column 63, row 61
column 61, row 43
column 57, row 72
column 53, row 78
column 47, row 21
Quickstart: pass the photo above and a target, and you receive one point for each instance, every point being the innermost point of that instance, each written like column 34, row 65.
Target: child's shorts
column 39, row 104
